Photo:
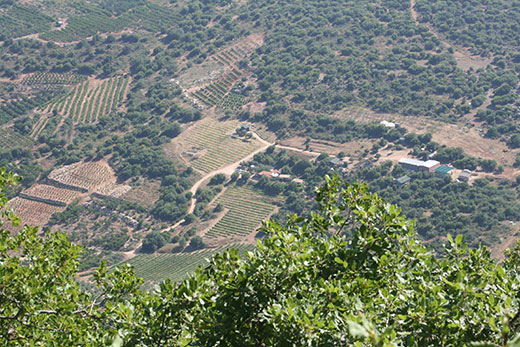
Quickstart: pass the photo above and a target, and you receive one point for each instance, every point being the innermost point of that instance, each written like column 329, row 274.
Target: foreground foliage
column 353, row 272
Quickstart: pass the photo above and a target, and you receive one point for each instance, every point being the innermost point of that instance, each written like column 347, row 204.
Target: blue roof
column 443, row 169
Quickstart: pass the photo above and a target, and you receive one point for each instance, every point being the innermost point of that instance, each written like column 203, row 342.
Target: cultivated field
column 84, row 176
column 212, row 82
column 90, row 100
column 245, row 213
column 9, row 138
column 20, row 21
column 238, row 51
column 158, row 267
column 85, row 103
column 50, row 194
column 47, row 78
column 33, row 212
column 145, row 194
column 216, row 93
column 148, row 17
column 208, row 144
column 16, row 108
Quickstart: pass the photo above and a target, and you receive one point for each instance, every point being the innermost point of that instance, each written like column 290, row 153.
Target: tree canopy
column 351, row 273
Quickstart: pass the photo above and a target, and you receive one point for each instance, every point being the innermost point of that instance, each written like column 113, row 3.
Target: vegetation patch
column 176, row 267
column 245, row 212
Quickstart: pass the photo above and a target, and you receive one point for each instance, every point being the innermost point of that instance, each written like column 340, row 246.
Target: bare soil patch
column 465, row 135
column 145, row 194
column 332, row 148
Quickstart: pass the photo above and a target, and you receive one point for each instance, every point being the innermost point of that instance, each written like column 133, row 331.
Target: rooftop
column 415, row 162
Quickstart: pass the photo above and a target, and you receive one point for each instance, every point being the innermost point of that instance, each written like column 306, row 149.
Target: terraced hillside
column 64, row 186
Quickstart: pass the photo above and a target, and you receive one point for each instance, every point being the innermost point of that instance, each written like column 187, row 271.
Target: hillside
column 154, row 126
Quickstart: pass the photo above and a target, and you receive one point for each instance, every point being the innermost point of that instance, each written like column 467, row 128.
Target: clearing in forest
column 468, row 136
column 208, row 144
column 245, row 211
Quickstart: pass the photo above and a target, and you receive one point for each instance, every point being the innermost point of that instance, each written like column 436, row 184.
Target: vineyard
column 89, row 100
column 232, row 101
column 33, row 212
column 20, row 21
column 158, row 267
column 149, row 17
column 214, row 93
column 82, row 176
column 246, row 211
column 17, row 108
column 46, row 78
column 50, row 194
column 10, row 138
column 241, row 50
column 215, row 137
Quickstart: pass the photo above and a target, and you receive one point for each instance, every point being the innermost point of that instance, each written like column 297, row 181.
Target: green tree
column 152, row 242
column 353, row 273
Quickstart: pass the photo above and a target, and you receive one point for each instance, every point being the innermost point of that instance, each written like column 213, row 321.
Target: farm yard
column 83, row 176
column 245, row 212
column 158, row 267
column 211, row 140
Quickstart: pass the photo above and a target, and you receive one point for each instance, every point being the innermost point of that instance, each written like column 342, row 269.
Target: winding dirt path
column 227, row 170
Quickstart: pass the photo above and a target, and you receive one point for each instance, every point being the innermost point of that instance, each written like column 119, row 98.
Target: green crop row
column 10, row 138
column 244, row 213
column 20, row 21
column 43, row 78
column 17, row 108
column 176, row 267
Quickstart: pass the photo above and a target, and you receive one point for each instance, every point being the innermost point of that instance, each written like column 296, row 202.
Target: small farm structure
column 419, row 165
column 464, row 176
column 443, row 170
column 388, row 124
column 335, row 162
column 401, row 181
